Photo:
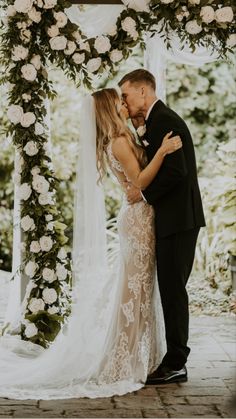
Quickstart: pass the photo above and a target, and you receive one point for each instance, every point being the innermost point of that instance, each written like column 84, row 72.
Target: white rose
column 194, row 2
column 94, row 64
column 50, row 226
column 49, row 295
column 61, row 19
column 39, row 3
column 207, row 14
column 49, row 4
column 35, row 170
column 53, row 310
column 40, row 184
column 31, row 268
column 45, row 199
column 53, row 31
column 11, row 11
column 167, row 1
column 225, row 14
column 24, row 191
column 112, row 30
column 36, row 61
column 58, row 43
column 25, row 35
column 102, row 44
column 36, row 304
column 128, row 25
column 38, row 129
column 70, row 48
column 15, row 113
column 27, row 119
column 48, row 217
column 76, row 35
column 34, row 15
column 31, row 330
column 19, row 53
column 31, row 148
column 116, row 55
column 23, row 6
column 78, row 58
column 49, row 275
column 29, row 72
column 46, row 243
column 35, row 246
column 26, row 97
column 141, row 130
column 27, row 223
column 138, row 5
column 192, row 27
column 62, row 253
column 85, row 46
column 231, row 40
column 61, row 272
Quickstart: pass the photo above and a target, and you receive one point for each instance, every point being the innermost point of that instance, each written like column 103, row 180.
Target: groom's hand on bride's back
column 133, row 194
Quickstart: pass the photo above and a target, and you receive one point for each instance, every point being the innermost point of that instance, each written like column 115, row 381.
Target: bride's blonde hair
column 110, row 124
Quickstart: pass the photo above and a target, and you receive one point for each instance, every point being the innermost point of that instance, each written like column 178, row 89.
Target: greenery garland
column 35, row 33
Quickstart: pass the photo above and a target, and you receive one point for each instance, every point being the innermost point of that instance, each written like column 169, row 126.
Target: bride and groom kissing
column 158, row 226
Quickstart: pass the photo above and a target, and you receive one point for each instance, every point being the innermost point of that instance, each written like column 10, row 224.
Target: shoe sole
column 171, row 380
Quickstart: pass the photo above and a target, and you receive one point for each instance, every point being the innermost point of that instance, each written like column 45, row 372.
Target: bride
column 115, row 335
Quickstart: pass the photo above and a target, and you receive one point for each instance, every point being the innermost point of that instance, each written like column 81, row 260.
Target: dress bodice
column 115, row 164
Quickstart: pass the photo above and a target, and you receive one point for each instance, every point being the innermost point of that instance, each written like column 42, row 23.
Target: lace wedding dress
column 115, row 336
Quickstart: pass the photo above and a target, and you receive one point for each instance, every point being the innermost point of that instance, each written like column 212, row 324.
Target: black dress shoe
column 165, row 375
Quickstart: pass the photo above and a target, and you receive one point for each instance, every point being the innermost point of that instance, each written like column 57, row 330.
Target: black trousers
column 175, row 255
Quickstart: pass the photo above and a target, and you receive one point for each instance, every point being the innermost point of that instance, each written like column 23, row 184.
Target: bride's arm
column 141, row 178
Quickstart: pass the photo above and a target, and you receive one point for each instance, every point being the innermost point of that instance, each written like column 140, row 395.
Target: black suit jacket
column 174, row 192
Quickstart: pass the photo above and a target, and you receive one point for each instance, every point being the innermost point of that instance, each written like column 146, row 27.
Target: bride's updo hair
column 110, row 124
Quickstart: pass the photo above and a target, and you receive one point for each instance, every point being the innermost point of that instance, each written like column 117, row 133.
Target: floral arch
column 38, row 32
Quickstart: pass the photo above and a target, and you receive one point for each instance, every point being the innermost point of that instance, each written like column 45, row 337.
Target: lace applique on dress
column 114, row 162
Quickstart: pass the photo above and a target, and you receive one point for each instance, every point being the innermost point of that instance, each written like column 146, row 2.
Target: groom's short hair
column 139, row 76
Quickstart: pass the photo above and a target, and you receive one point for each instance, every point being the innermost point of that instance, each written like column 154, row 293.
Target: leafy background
column 205, row 98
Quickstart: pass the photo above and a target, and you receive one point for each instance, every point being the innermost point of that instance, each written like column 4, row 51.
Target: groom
column 175, row 196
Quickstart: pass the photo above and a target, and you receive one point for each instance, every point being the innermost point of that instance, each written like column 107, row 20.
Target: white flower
column 50, row 226
column 48, row 217
column 225, row 14
column 36, row 304
column 25, row 35
column 45, row 199
column 167, row 1
column 36, row 61
column 192, row 27
column 35, row 246
column 49, row 275
column 112, row 30
column 141, row 130
column 34, row 15
column 207, row 14
column 27, row 223
column 78, row 58
column 58, row 43
column 62, row 253
column 35, row 170
column 76, row 35
column 31, row 148
column 138, row 5
column 102, row 44
column 194, row 2
column 61, row 272
column 128, row 25
column 116, row 55
column 46, row 243
column 39, row 3
column 40, row 184
column 23, row 6
column 19, row 53
column 70, row 48
column 53, row 310
column 49, row 4
column 31, row 268
column 61, row 19
column 15, row 113
column 53, row 31
column 39, row 129
column 183, row 13
column 24, row 191
column 231, row 40
column 94, row 64
column 49, row 295
column 26, row 97
column 27, row 119
column 11, row 11
column 29, row 72
column 31, row 330
column 85, row 46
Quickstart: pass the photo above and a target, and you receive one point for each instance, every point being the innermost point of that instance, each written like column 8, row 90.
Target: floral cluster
column 36, row 32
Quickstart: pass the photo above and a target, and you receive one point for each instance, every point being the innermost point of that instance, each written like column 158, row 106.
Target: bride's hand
column 170, row 144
